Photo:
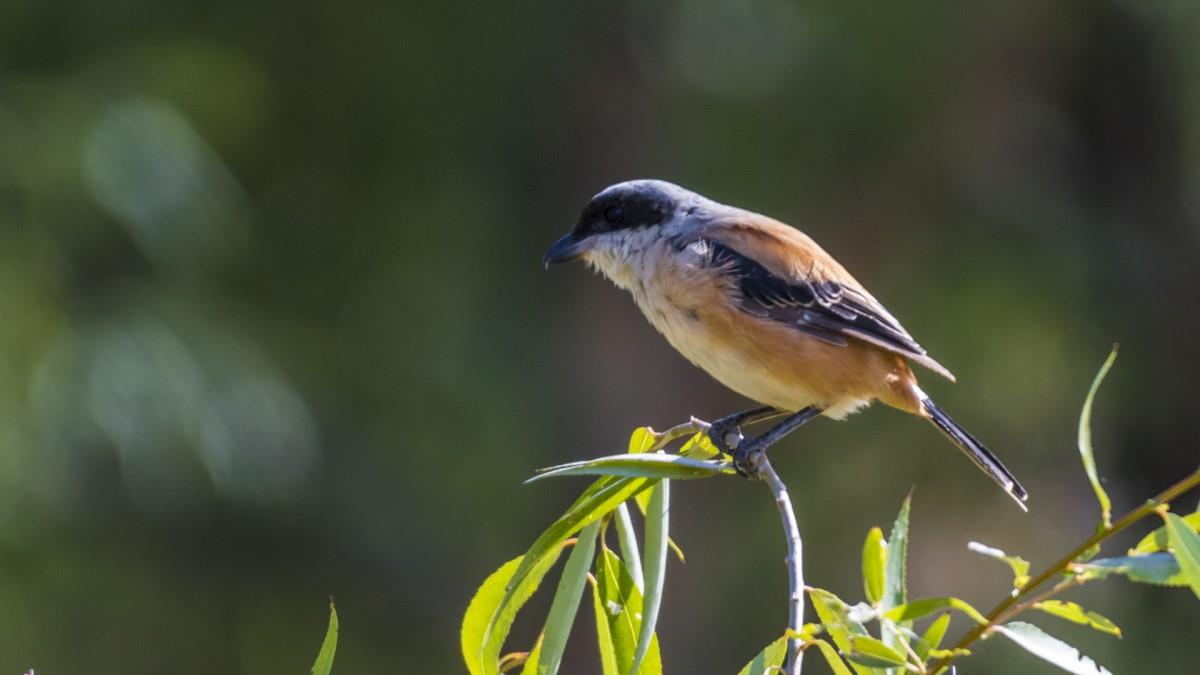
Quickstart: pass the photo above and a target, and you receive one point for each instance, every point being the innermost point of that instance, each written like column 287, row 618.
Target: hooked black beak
column 565, row 250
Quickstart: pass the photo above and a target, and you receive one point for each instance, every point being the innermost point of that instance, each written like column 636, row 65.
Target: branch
column 1010, row 607
column 794, row 563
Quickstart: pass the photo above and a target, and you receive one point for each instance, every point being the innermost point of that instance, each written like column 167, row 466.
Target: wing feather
column 807, row 289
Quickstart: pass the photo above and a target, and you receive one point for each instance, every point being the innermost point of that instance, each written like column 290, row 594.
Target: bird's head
column 621, row 216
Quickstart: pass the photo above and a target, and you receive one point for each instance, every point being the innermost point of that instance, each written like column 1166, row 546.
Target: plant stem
column 1001, row 611
column 794, row 563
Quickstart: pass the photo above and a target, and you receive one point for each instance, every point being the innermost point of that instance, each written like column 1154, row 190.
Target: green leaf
column 925, row 606
column 1074, row 613
column 895, row 587
column 1085, row 441
column 1019, row 565
column 601, row 498
column 770, row 657
column 874, row 559
column 896, row 580
column 491, row 613
column 1157, row 540
column 932, row 639
column 641, row 440
column 623, row 612
column 868, row 651
column 831, row 657
column 1156, row 568
column 532, row 661
column 627, row 538
column 835, row 617
column 1045, row 646
column 566, row 602
column 324, row 662
column 479, row 613
column 699, row 446
column 650, row 465
column 657, row 520
column 1186, row 544
column 608, row 651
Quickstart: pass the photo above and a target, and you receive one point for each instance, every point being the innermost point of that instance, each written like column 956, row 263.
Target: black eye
column 614, row 214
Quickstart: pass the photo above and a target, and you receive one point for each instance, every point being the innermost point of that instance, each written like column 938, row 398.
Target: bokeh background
column 273, row 325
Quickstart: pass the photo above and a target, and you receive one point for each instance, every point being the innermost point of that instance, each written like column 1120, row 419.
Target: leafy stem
column 1016, row 603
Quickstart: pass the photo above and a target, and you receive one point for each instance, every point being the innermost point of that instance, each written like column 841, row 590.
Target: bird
column 764, row 310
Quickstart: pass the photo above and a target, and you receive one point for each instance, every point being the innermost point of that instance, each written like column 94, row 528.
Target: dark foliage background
column 273, row 325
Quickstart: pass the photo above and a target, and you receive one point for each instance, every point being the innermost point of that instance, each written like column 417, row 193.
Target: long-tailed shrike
column 764, row 310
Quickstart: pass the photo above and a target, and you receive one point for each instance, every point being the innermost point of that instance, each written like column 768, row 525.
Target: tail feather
column 970, row 445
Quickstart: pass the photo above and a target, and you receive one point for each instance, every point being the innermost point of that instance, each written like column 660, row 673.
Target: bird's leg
column 726, row 432
column 748, row 456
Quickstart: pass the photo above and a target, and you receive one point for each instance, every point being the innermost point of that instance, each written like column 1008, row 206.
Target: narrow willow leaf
column 1045, row 646
column 831, row 657
column 627, row 538
column 623, row 612
column 532, row 566
column 566, row 601
column 324, row 662
column 651, row 465
column 933, row 636
column 1157, row 540
column 770, row 657
column 1186, row 545
column 925, row 606
column 608, row 652
column 1085, row 441
column 835, row 617
column 895, row 587
column 531, row 663
column 874, row 560
column 699, row 446
column 658, row 512
column 1074, row 613
column 868, row 651
column 1161, row 569
column 641, row 440
column 479, row 613
column 1019, row 565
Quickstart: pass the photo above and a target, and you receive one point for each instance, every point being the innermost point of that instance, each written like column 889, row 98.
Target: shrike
column 764, row 310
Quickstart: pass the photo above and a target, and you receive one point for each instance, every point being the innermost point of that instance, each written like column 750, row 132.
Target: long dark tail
column 983, row 458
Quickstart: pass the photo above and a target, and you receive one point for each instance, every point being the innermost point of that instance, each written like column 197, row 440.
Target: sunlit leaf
column 1186, row 545
column 1085, row 441
column 608, row 652
column 531, row 663
column 770, row 657
column 531, row 567
column 651, row 465
column 479, row 613
column 623, row 612
column 835, row 617
column 657, row 520
column 926, row 606
column 895, row 587
column 1157, row 540
column 931, row 640
column 699, row 446
column 641, row 440
column 627, row 539
column 1019, row 565
column 566, row 601
column 324, row 662
column 1045, row 646
column 868, row 651
column 1073, row 612
column 874, row 559
column 1156, row 568
column 831, row 657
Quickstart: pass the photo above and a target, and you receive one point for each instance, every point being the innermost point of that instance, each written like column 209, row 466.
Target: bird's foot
column 748, row 459
column 726, row 434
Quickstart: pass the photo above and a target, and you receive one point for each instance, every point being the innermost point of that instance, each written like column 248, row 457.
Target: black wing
column 825, row 309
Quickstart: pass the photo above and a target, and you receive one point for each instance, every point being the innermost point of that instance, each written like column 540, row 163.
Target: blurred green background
column 273, row 326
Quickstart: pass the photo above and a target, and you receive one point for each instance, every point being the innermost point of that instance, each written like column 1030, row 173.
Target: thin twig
column 794, row 562
column 1001, row 611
